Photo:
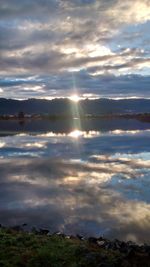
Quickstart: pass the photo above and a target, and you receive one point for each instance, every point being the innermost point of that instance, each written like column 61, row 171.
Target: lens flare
column 74, row 98
column 76, row 133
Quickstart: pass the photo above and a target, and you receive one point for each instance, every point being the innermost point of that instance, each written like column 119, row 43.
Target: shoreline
column 42, row 249
column 143, row 117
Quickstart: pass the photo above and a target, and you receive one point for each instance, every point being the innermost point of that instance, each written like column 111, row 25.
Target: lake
column 90, row 177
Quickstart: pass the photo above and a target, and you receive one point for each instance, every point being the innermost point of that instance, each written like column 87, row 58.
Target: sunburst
column 74, row 98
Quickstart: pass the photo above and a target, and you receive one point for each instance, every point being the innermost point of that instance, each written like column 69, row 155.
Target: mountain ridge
column 63, row 106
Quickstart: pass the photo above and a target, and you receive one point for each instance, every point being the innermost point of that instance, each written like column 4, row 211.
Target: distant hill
column 65, row 106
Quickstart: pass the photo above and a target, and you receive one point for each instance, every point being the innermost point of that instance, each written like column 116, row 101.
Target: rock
column 131, row 243
column 117, row 243
column 59, row 234
column 80, row 237
column 43, row 232
column 123, row 247
column 100, row 243
column 92, row 240
column 108, row 245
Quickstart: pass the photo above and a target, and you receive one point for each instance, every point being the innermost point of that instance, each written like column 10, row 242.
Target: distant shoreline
column 143, row 117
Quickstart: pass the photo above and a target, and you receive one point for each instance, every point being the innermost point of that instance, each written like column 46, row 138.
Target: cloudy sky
column 58, row 48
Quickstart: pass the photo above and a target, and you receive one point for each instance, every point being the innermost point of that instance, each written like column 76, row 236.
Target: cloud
column 58, row 37
column 74, row 197
column 82, row 82
column 25, row 8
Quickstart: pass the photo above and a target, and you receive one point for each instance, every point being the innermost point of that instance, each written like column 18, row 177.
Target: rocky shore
column 40, row 248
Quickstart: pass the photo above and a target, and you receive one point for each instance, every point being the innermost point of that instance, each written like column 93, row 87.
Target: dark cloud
column 80, row 82
column 55, row 38
column 27, row 9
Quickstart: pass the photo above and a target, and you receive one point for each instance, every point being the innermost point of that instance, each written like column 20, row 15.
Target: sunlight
column 2, row 144
column 74, row 98
column 76, row 133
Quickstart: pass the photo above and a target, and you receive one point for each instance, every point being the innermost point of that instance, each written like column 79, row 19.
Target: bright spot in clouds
column 74, row 98
column 75, row 133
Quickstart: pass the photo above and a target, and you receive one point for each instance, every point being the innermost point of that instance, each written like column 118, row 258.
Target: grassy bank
column 18, row 248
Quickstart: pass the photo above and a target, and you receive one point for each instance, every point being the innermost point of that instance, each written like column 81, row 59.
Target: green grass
column 28, row 249
column 20, row 249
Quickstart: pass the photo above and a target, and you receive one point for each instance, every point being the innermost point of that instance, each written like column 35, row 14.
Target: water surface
column 89, row 177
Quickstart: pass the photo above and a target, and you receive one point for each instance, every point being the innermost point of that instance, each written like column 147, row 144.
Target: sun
column 75, row 134
column 74, row 98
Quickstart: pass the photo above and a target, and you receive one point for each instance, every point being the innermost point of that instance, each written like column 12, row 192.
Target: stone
column 92, row 240
column 43, row 231
column 100, row 243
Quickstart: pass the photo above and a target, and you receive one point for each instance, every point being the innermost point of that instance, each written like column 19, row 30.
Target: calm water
column 88, row 177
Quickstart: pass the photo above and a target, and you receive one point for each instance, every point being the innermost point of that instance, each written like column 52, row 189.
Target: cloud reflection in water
column 77, row 196
column 88, row 182
column 74, row 143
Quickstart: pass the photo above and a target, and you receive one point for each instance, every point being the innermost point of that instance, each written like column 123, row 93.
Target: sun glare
column 75, row 134
column 74, row 98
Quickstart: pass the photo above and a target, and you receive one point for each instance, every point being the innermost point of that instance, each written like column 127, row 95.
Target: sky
column 60, row 48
